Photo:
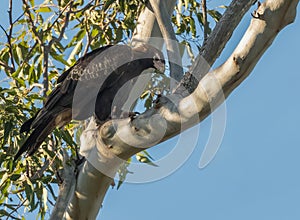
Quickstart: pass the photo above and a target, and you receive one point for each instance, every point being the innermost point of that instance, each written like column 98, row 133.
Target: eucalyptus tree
column 41, row 40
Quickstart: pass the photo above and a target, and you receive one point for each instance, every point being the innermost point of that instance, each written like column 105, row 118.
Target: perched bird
column 89, row 88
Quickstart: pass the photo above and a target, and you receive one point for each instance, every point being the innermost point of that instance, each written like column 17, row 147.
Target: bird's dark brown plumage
column 89, row 87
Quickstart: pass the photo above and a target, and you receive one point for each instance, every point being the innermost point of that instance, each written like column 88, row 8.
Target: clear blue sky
column 255, row 174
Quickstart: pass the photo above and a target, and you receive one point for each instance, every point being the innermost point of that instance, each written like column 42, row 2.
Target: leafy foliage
column 36, row 46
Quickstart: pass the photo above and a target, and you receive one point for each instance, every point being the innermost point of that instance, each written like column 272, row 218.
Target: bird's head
column 153, row 57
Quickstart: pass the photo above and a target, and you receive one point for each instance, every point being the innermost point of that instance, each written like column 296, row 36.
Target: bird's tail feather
column 44, row 127
column 27, row 125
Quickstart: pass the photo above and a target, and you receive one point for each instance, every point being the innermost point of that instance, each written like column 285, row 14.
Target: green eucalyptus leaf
column 215, row 15
column 143, row 158
column 44, row 9
column 7, row 129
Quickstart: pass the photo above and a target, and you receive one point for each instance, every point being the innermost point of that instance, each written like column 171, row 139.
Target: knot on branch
column 187, row 85
column 238, row 60
column 108, row 130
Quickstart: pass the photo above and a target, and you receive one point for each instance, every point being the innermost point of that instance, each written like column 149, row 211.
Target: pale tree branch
column 115, row 140
column 66, row 188
column 89, row 182
column 220, row 35
column 165, row 25
column 215, row 43
column 91, row 185
column 147, row 29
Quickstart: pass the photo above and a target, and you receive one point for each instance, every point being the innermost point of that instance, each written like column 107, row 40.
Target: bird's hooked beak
column 159, row 65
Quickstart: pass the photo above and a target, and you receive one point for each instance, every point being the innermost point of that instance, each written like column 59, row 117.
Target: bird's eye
column 155, row 58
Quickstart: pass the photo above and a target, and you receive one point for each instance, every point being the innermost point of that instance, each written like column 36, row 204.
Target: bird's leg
column 156, row 101
column 99, row 122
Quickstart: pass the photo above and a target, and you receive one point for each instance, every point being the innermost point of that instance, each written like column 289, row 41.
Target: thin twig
column 15, row 209
column 204, row 15
column 88, row 39
column 35, row 85
column 84, row 8
column 6, row 34
column 33, row 27
column 62, row 31
column 88, row 43
column 18, row 18
column 46, row 51
column 6, row 67
column 10, row 35
column 26, row 59
column 60, row 14
column 39, row 173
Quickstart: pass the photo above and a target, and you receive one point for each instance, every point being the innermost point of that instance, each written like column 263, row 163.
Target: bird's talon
column 133, row 114
column 255, row 14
